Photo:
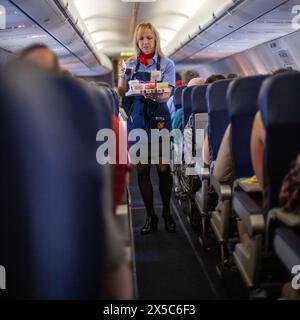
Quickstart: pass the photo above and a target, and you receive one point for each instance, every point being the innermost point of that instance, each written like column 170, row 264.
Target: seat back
column 199, row 109
column 186, row 101
column 218, row 117
column 52, row 191
column 279, row 105
column 199, row 99
column 177, row 97
column 242, row 98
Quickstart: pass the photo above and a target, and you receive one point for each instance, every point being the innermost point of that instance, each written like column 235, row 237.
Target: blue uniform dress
column 145, row 113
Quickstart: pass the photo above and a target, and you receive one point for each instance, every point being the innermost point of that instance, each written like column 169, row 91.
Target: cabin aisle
column 166, row 265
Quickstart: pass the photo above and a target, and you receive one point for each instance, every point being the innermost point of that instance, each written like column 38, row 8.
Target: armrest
column 223, row 190
column 288, row 218
column 250, row 212
column 286, row 245
column 204, row 174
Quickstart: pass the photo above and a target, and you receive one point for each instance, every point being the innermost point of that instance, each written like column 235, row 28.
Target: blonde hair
column 140, row 29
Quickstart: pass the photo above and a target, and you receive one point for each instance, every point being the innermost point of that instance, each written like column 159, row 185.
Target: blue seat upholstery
column 279, row 105
column 186, row 101
column 242, row 98
column 286, row 246
column 218, row 117
column 52, row 192
column 199, row 99
column 177, row 97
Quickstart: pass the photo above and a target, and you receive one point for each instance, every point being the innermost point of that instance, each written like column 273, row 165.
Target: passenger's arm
column 223, row 170
column 257, row 147
column 205, row 151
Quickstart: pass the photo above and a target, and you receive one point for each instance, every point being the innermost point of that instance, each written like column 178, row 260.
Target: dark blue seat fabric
column 186, row 101
column 199, row 99
column 115, row 102
column 218, row 117
column 279, row 105
column 242, row 96
column 52, row 195
column 177, row 97
column 286, row 245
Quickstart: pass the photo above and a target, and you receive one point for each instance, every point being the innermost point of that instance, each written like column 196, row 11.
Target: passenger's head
column 232, row 76
column 214, row 77
column 178, row 76
column 146, row 39
column 41, row 55
column 189, row 75
column 283, row 70
column 196, row 82
column 66, row 73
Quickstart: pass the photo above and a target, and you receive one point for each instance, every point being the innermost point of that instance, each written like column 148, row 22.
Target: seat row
column 272, row 233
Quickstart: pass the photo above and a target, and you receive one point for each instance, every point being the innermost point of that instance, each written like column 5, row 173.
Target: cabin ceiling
column 192, row 31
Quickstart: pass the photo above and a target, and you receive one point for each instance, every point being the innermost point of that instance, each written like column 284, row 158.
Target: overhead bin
column 201, row 39
column 55, row 17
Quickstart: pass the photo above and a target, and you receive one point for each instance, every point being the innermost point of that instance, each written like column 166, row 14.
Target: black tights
column 165, row 186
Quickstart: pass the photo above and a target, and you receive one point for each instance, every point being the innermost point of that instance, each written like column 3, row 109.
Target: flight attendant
column 150, row 112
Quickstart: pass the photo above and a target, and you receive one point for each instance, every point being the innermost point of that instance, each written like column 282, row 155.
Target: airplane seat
column 199, row 110
column 199, row 125
column 286, row 246
column 242, row 100
column 242, row 105
column 116, row 102
column 218, row 117
column 177, row 97
column 52, row 193
column 112, row 96
column 278, row 104
column 186, row 102
column 188, row 164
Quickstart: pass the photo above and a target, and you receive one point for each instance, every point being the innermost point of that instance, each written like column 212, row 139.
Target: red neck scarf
column 143, row 57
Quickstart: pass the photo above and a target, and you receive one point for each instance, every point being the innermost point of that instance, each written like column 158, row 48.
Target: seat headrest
column 52, row 189
column 177, row 95
column 199, row 99
column 186, row 97
column 279, row 99
column 216, row 96
column 242, row 95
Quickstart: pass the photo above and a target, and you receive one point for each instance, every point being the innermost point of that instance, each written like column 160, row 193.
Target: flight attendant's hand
column 153, row 96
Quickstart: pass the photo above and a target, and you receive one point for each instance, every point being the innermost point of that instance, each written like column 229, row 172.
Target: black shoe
column 150, row 225
column 169, row 222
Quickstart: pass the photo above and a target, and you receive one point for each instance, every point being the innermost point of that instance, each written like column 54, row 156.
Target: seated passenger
column 40, row 55
column 223, row 169
column 289, row 197
column 257, row 147
column 178, row 79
